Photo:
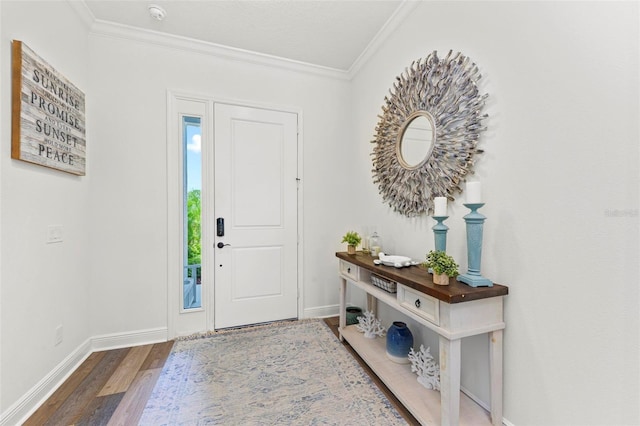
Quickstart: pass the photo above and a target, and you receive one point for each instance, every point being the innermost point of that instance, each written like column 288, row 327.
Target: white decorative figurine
column 370, row 325
column 428, row 371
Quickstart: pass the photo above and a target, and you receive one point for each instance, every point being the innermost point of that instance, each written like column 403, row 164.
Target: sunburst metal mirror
column 428, row 133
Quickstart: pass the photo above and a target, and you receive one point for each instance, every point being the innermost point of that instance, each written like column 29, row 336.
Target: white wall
column 561, row 158
column 41, row 285
column 129, row 195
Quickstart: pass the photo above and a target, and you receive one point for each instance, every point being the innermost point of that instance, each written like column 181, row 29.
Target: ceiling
column 325, row 33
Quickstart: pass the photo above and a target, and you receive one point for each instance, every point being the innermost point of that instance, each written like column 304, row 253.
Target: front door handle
column 221, row 244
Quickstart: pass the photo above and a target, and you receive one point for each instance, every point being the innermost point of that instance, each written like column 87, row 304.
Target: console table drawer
column 350, row 270
column 420, row 304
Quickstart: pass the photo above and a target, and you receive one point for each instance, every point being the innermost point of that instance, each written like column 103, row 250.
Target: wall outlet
column 58, row 338
column 54, row 234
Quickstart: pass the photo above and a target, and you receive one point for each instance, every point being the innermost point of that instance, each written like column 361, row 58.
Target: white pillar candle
column 440, row 206
column 474, row 193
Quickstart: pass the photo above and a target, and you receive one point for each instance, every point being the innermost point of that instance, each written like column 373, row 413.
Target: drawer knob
column 348, row 270
column 418, row 303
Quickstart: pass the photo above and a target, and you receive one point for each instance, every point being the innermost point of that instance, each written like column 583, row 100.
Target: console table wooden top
column 418, row 278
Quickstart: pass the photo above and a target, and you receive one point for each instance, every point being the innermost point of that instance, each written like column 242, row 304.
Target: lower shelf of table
column 423, row 403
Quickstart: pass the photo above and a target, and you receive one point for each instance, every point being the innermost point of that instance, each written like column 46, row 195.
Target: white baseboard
column 20, row 411
column 474, row 398
column 483, row 404
column 133, row 338
column 321, row 311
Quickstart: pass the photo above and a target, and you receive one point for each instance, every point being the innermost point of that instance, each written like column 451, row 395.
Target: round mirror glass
column 416, row 140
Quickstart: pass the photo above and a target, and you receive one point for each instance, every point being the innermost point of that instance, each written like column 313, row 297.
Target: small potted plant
column 352, row 239
column 442, row 265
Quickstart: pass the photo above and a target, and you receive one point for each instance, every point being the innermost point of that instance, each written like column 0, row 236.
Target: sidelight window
column 192, row 180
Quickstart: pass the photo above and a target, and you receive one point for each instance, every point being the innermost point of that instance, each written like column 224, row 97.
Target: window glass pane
column 192, row 212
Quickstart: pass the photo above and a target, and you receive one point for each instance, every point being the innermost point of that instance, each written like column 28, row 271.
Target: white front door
column 256, row 196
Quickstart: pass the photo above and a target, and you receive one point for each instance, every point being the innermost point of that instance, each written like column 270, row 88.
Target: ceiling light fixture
column 157, row 12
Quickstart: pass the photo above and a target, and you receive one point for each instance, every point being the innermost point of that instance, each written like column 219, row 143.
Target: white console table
column 454, row 311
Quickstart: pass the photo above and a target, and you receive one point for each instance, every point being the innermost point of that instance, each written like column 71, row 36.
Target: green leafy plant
column 441, row 263
column 352, row 238
column 193, row 227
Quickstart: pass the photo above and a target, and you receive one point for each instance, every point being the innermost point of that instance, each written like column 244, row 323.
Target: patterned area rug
column 290, row 373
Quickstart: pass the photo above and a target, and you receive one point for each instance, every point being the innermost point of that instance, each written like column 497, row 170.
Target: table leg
column 372, row 304
column 495, row 369
column 343, row 308
column 449, row 381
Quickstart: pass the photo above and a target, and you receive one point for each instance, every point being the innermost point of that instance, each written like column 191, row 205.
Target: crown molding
column 113, row 30
column 83, row 11
column 398, row 16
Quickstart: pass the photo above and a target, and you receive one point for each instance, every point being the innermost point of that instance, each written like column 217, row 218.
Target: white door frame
column 174, row 205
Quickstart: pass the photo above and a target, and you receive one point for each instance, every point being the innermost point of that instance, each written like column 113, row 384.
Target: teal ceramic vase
column 353, row 312
column 399, row 342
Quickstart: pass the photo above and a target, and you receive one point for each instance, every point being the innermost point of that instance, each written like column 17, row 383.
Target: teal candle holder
column 475, row 224
column 440, row 233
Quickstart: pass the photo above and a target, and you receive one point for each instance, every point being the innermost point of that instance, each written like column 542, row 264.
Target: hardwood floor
column 109, row 388
column 113, row 387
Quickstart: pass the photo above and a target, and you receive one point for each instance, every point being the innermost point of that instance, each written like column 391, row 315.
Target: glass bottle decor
column 374, row 244
column 366, row 248
column 399, row 342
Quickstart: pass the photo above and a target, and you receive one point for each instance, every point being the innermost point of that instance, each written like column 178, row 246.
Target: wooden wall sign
column 47, row 123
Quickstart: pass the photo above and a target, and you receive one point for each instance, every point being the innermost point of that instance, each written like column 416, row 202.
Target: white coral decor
column 370, row 326
column 428, row 371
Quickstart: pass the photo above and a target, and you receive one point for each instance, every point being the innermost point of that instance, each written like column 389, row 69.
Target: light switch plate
column 54, row 234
